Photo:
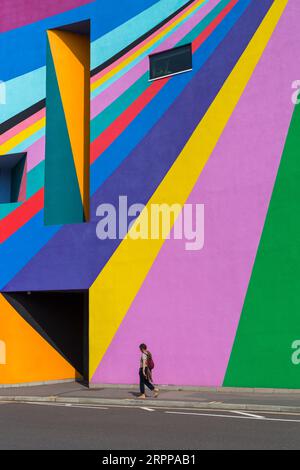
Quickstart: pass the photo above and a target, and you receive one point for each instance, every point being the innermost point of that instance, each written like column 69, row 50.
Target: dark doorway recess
column 12, row 178
column 61, row 318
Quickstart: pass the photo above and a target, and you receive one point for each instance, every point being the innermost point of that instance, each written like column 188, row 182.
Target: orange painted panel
column 24, row 355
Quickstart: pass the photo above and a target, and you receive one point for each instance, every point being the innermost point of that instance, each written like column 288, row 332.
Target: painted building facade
column 81, row 124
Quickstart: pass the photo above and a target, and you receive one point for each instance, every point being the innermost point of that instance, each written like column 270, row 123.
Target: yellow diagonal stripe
column 117, row 285
column 136, row 54
column 23, row 135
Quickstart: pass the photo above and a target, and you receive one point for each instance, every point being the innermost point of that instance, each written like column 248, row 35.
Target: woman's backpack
column 150, row 362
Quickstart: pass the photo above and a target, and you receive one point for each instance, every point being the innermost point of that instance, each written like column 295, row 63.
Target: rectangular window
column 12, row 178
column 171, row 62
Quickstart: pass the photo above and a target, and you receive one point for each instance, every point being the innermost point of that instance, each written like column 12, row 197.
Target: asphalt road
column 53, row 426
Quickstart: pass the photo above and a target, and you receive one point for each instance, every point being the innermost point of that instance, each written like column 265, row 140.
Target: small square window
column 171, row 62
column 12, row 178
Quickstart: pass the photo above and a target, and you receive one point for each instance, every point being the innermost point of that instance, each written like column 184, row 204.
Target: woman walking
column 146, row 366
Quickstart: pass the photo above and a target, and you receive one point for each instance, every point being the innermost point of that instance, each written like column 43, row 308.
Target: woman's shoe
column 142, row 396
column 156, row 392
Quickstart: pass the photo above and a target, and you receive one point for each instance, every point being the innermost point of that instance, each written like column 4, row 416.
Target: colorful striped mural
column 223, row 134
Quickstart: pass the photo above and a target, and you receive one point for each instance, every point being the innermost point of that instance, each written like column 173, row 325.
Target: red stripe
column 12, row 222
column 105, row 139
column 23, row 214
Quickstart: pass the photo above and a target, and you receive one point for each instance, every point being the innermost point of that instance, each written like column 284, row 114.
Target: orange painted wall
column 24, row 355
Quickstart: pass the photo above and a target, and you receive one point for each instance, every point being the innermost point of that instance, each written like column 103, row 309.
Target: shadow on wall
column 61, row 318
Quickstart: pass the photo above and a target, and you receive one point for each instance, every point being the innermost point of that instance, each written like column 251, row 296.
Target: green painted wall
column 270, row 322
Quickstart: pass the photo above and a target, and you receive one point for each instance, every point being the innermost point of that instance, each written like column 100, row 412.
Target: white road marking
column 167, row 409
column 147, row 409
column 248, row 414
column 69, row 405
column 232, row 417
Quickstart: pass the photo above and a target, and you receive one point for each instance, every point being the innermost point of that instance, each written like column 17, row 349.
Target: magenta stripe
column 111, row 93
column 22, row 192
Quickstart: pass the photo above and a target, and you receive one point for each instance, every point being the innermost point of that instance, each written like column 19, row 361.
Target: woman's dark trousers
column 144, row 381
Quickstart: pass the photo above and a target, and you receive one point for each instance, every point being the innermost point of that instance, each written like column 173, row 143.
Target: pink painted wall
column 189, row 307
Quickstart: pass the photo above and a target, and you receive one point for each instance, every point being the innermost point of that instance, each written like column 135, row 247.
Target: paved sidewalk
column 234, row 399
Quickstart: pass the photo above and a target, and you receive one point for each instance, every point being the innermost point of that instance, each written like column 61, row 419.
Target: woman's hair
column 143, row 346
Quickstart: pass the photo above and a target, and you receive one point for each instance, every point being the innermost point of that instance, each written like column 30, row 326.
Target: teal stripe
column 35, row 179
